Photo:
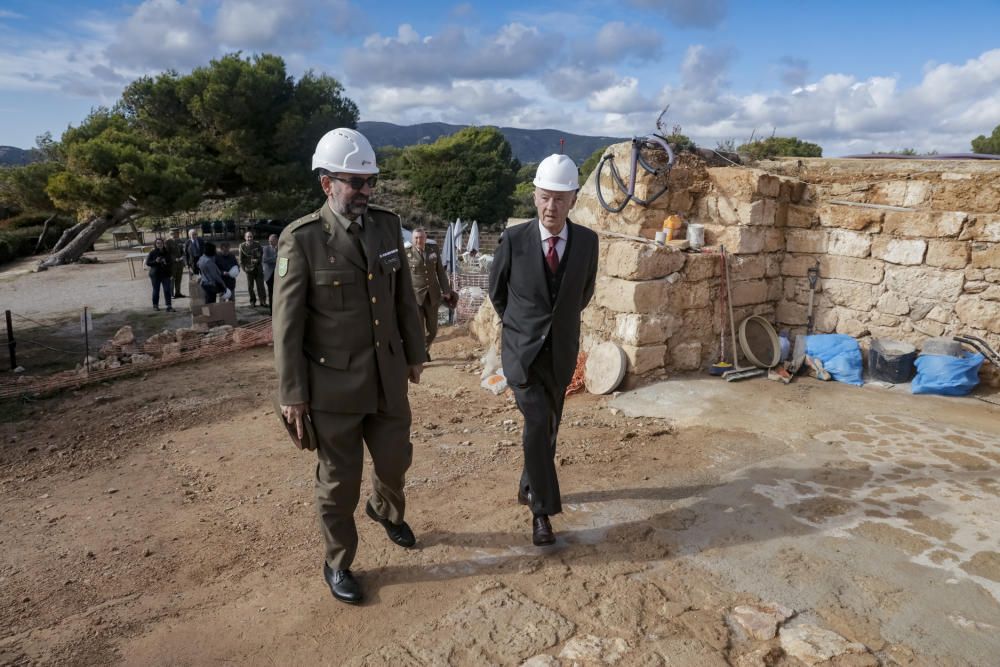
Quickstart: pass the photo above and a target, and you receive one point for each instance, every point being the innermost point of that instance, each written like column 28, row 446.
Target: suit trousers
column 340, row 454
column 429, row 318
column 178, row 274
column 540, row 400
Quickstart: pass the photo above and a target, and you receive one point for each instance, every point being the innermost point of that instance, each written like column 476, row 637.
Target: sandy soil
column 144, row 523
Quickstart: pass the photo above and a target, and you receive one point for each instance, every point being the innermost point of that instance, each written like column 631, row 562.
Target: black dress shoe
column 523, row 497
column 541, row 531
column 399, row 533
column 180, row 296
column 343, row 585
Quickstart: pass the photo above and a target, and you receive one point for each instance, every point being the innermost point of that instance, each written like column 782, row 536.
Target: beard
column 351, row 206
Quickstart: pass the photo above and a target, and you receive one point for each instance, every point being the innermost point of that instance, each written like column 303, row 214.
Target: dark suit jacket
column 191, row 256
column 344, row 327
column 519, row 292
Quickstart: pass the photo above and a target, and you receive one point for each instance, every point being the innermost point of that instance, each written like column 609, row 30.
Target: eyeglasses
column 356, row 182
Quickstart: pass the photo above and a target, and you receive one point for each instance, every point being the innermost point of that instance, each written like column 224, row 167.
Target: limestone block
column 638, row 330
column 859, row 296
column 171, row 351
column 761, row 212
column 698, row 324
column 124, row 336
column 748, row 292
column 781, row 215
column 929, row 328
column 941, row 313
column 683, row 295
column 792, row 313
column 924, row 282
column 919, row 308
column 747, row 267
column 835, row 266
column 982, row 227
column 825, row 320
column 991, row 293
column 644, row 359
column 735, row 183
column 769, row 186
column 686, row 356
column 773, row 290
column 772, row 265
column 851, row 322
column 899, row 251
column 739, row 240
column 774, row 239
column 992, row 275
column 883, row 320
column 801, row 216
column 904, row 193
column 701, row 267
column 806, row 240
column 850, row 217
column 947, row 254
column 848, row 243
column 681, row 201
column 729, row 211
column 974, row 274
column 979, row 313
column 790, row 288
column 633, row 260
column 986, row 255
column 926, row 224
column 975, row 286
column 628, row 296
column 893, row 303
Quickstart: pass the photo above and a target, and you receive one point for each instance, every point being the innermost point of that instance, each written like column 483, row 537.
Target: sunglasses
column 356, row 182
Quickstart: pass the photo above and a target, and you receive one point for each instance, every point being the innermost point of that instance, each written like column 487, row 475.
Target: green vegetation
column 470, row 175
column 759, row 149
column 989, row 145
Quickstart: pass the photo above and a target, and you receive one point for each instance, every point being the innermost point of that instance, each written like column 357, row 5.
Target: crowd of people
column 216, row 268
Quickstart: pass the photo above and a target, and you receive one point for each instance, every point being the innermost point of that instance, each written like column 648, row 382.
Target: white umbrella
column 473, row 242
column 459, row 228
column 448, row 251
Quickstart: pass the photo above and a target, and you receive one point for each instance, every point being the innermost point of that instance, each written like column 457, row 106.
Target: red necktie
column 552, row 257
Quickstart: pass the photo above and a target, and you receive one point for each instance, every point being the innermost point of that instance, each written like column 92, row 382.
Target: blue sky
column 851, row 76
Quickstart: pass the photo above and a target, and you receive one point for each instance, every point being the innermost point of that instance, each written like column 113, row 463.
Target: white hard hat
column 557, row 172
column 345, row 150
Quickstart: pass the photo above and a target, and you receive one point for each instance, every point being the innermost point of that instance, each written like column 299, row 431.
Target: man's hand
column 415, row 372
column 294, row 414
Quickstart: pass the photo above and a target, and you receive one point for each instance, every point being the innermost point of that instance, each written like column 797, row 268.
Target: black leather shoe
column 398, row 533
column 541, row 531
column 343, row 585
column 523, row 498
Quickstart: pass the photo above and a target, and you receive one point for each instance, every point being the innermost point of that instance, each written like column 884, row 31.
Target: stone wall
column 906, row 250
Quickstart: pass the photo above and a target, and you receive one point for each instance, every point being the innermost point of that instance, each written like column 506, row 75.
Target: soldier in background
column 430, row 283
column 251, row 255
column 175, row 249
column 269, row 262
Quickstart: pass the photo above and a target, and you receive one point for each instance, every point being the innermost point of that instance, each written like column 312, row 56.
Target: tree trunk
column 89, row 232
column 69, row 235
column 41, row 237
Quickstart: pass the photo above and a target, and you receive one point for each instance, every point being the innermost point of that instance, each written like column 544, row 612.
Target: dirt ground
column 149, row 522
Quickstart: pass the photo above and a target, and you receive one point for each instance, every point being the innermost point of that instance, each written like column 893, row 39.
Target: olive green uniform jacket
column 430, row 280
column 344, row 328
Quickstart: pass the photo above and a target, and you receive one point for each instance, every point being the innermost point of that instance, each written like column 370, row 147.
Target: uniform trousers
column 540, row 399
column 429, row 319
column 340, row 453
column 255, row 285
column 178, row 273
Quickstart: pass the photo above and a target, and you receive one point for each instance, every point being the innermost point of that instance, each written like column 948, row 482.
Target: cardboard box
column 214, row 314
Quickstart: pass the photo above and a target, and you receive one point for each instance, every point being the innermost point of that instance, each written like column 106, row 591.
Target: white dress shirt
column 560, row 244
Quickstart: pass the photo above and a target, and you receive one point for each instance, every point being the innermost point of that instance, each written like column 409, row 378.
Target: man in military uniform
column 251, row 254
column 430, row 283
column 175, row 248
column 347, row 338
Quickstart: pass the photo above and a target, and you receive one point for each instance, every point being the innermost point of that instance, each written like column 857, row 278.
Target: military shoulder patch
column 282, row 266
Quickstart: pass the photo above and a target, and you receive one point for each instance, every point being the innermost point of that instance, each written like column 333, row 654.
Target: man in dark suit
column 347, row 338
column 541, row 279
column 193, row 250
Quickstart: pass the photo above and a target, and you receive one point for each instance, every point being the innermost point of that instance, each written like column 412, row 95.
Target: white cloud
column 461, row 102
column 263, row 24
column 7, row 14
column 622, row 98
column 163, row 34
column 408, row 59
column 793, row 71
column 575, row 83
column 616, row 41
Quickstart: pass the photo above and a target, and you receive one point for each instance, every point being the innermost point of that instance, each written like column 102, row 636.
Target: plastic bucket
column 696, row 235
column 891, row 360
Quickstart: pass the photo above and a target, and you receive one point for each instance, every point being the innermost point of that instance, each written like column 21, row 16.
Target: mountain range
column 528, row 145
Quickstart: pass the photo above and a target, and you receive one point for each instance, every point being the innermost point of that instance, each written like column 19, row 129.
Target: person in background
column 194, row 247
column 209, row 274
column 175, row 248
column 226, row 262
column 250, row 257
column 430, row 283
column 160, row 268
column 269, row 260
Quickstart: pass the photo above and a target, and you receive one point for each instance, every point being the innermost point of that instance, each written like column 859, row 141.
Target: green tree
column 989, row 145
column 590, row 164
column 237, row 127
column 470, row 175
column 779, row 146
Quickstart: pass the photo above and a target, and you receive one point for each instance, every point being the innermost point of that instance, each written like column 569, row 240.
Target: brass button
column 378, row 344
column 336, row 283
column 376, row 322
column 322, row 360
column 371, row 276
column 374, row 299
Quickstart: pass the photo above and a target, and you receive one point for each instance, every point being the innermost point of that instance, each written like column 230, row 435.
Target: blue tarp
column 946, row 375
column 840, row 354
